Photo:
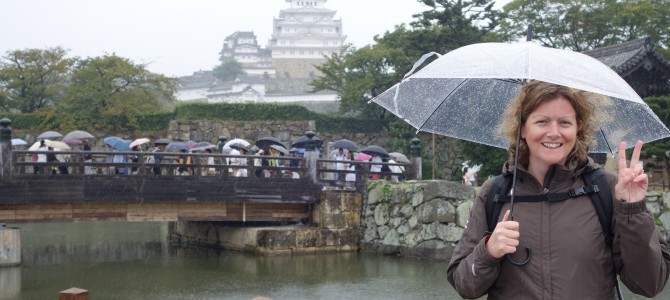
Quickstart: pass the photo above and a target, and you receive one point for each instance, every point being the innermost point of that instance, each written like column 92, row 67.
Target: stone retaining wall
column 426, row 219
column 415, row 219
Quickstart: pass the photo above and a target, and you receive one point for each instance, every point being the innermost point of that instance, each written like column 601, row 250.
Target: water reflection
column 133, row 261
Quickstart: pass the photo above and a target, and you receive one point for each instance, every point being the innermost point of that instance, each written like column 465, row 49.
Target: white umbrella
column 463, row 93
column 235, row 141
column 57, row 145
column 138, row 142
column 49, row 143
column 18, row 142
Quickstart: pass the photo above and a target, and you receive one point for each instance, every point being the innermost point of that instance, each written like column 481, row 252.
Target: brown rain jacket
column 570, row 259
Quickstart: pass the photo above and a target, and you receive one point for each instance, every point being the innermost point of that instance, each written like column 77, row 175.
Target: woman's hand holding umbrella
column 633, row 182
column 504, row 239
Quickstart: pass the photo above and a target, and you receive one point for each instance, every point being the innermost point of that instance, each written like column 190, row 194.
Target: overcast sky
column 175, row 37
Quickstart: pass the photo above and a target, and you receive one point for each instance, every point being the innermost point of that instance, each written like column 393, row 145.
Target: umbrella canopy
column 52, row 135
column 162, row 141
column 236, row 141
column 344, row 144
column 138, row 142
column 78, row 134
column 399, row 157
column 463, row 93
column 202, row 146
column 177, row 146
column 19, row 142
column 301, row 141
column 238, row 146
column 56, row 145
column 72, row 142
column 362, row 157
column 264, row 143
column 281, row 149
column 374, row 149
column 121, row 145
column 110, row 140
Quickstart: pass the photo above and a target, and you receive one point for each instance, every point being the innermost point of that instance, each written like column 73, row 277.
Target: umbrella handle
column 524, row 262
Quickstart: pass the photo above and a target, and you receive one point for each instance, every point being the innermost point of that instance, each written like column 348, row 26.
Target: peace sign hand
column 633, row 182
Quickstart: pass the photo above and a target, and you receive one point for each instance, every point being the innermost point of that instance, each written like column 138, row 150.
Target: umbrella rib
column 606, row 141
column 445, row 98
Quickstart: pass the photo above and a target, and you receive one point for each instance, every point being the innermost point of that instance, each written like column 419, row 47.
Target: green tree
column 32, row 79
column 228, row 69
column 358, row 75
column 587, row 24
column 661, row 107
column 115, row 90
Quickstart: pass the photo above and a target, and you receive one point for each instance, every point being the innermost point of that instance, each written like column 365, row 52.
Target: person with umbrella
column 88, row 158
column 571, row 259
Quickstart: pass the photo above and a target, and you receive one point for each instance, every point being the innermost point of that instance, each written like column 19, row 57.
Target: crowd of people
column 161, row 157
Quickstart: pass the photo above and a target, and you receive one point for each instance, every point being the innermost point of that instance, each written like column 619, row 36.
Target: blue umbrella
column 121, row 145
column 110, row 140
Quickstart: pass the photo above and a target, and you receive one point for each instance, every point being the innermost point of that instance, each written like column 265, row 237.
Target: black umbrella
column 344, row 144
column 162, row 141
column 302, row 141
column 264, row 143
column 372, row 150
column 281, row 149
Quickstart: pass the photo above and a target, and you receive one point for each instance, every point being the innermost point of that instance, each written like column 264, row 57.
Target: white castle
column 302, row 35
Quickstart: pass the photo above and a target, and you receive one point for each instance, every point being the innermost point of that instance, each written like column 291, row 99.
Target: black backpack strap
column 499, row 188
column 602, row 201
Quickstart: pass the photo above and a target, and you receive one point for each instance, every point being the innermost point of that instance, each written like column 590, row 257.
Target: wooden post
column 10, row 246
column 5, row 148
column 74, row 294
column 415, row 153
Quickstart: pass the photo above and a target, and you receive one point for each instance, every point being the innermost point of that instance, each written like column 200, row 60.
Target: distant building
column 639, row 64
column 243, row 47
column 302, row 35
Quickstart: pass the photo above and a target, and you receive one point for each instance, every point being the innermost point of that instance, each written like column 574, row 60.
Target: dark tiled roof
column 628, row 55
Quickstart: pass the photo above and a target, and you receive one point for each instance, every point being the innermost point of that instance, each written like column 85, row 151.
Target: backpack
column 596, row 187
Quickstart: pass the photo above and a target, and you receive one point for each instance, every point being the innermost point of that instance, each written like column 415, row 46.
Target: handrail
column 23, row 165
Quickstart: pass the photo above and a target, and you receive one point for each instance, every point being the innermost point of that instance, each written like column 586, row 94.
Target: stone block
column 382, row 231
column 381, row 214
column 276, row 239
column 392, row 238
column 435, row 210
column 308, row 238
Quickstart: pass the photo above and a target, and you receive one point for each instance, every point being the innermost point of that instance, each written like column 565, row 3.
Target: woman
column 570, row 259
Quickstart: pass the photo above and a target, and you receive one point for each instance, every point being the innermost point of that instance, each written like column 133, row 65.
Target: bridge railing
column 101, row 163
column 139, row 163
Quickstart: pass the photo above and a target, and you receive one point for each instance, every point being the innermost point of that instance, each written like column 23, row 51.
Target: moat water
column 124, row 260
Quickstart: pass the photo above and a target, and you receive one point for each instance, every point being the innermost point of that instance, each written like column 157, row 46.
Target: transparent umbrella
column 463, row 93
column 78, row 134
column 52, row 135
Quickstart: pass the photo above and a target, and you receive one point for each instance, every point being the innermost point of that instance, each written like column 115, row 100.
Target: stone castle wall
column 426, row 219
column 296, row 68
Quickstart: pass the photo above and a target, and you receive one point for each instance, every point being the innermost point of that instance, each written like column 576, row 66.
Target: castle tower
column 243, row 47
column 302, row 35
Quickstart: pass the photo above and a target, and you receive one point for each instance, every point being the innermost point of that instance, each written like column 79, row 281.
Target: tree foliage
column 582, row 25
column 228, row 69
column 358, row 75
column 32, row 79
column 115, row 88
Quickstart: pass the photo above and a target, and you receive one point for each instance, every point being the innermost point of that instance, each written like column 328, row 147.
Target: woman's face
column 550, row 132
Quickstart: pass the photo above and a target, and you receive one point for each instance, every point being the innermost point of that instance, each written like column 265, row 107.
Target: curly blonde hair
column 588, row 107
